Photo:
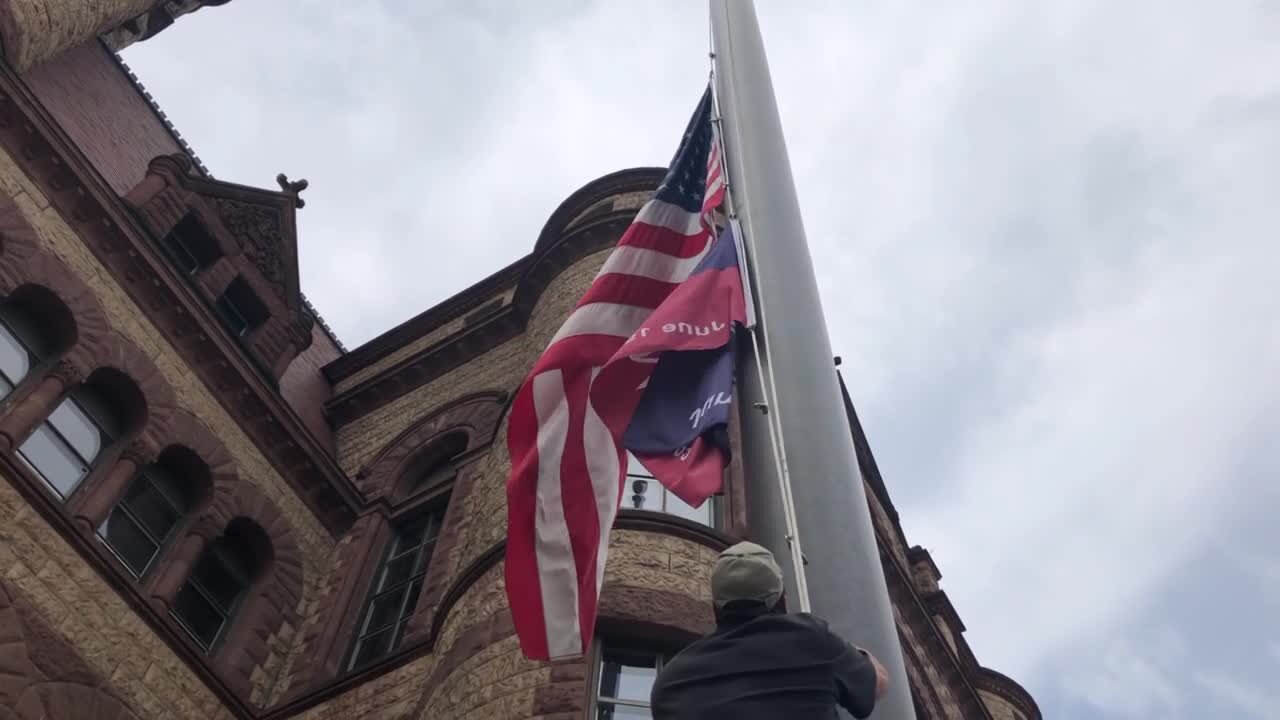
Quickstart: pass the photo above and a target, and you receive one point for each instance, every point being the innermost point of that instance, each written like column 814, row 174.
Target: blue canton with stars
column 686, row 182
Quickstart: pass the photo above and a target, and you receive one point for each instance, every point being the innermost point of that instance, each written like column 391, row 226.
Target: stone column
column 175, row 566
column 26, row 414
column 100, row 492
column 32, row 31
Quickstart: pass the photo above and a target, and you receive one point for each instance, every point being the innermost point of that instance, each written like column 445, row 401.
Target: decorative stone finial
column 293, row 188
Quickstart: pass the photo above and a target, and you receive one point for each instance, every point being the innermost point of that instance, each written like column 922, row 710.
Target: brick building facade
column 211, row 509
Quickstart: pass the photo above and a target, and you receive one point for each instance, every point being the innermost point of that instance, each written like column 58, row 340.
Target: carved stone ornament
column 67, row 372
column 257, row 229
column 293, row 188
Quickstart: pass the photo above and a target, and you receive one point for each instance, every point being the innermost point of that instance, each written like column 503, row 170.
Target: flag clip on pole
column 797, row 380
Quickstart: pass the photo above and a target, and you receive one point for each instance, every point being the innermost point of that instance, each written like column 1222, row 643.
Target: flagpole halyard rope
column 768, row 385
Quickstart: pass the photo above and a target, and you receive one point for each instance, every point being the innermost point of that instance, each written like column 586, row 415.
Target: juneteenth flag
column 679, row 432
column 567, row 420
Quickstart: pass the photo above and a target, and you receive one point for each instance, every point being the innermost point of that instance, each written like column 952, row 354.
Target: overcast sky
column 1046, row 234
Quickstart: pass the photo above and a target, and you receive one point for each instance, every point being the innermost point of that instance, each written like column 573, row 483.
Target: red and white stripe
column 568, row 465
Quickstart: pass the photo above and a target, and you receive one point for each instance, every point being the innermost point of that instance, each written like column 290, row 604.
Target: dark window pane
column 415, row 589
column 240, row 308
column 200, row 617
column 232, row 316
column 399, row 570
column 129, row 542
column 218, row 580
column 401, row 631
column 56, row 462
column 409, row 537
column 433, row 526
column 190, row 245
column 174, row 490
column 181, row 254
column 609, row 711
column 627, row 677
column 150, row 507
column 372, row 647
column 435, row 477
column 385, row 609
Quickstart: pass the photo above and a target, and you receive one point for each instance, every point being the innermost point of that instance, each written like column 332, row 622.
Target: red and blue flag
column 679, row 431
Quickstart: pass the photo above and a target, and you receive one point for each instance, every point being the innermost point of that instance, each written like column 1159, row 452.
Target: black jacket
column 765, row 665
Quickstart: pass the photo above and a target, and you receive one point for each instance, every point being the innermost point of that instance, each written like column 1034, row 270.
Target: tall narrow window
column 156, row 501
column 396, row 588
column 240, row 308
column 622, row 683
column 643, row 492
column 209, row 598
column 63, row 448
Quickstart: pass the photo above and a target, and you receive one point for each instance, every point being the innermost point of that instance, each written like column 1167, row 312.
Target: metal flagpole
column 818, row 465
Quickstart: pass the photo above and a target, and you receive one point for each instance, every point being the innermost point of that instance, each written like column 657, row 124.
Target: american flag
column 567, row 460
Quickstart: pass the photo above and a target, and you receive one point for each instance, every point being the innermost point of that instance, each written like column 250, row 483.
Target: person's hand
column 882, row 675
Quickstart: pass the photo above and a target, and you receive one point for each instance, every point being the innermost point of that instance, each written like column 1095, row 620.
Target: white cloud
column 1242, row 698
column 1124, row 679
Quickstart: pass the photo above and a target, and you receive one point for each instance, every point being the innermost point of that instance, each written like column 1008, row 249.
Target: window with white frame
column 63, row 448
column 622, row 682
column 219, row 583
column 145, row 518
column 643, row 492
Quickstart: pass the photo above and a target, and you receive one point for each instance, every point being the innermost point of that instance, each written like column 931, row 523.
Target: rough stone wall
column 305, row 388
column 128, row 319
column 999, row 708
column 476, row 670
column 412, row 348
column 500, row 368
column 45, row 573
column 102, row 112
column 948, row 706
column 474, row 624
column 660, row 562
column 35, row 30
column 496, row 683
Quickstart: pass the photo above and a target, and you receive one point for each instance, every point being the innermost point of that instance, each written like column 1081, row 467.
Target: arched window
column 219, row 582
column 16, row 357
column 65, row 446
column 152, row 507
column 397, row 585
column 643, row 492
column 437, row 465
column 34, row 326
